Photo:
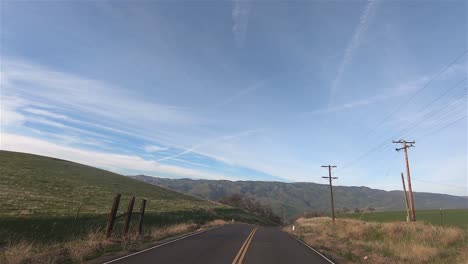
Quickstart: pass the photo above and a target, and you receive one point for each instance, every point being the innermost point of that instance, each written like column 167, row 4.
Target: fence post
column 142, row 213
column 128, row 216
column 112, row 214
column 76, row 216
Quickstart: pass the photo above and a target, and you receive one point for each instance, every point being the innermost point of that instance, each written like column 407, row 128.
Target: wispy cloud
column 94, row 103
column 93, row 113
column 398, row 90
column 45, row 113
column 240, row 18
column 243, row 92
column 353, row 45
column 86, row 95
column 154, row 148
column 210, row 142
column 106, row 160
column 352, row 104
column 8, row 111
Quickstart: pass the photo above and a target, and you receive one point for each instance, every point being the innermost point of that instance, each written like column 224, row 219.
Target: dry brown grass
column 92, row 244
column 159, row 233
column 18, row 253
column 95, row 241
column 217, row 222
column 350, row 241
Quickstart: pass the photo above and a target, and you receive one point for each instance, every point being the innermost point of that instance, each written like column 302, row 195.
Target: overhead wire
column 431, row 80
column 444, row 127
column 433, row 113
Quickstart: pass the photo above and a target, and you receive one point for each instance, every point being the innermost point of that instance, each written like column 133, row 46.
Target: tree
column 251, row 205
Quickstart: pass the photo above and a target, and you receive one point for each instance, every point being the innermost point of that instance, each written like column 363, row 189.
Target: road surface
column 235, row 243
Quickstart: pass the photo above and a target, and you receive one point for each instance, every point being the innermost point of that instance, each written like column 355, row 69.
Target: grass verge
column 354, row 241
column 446, row 217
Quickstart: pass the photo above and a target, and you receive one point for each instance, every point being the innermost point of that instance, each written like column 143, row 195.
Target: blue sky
column 241, row 90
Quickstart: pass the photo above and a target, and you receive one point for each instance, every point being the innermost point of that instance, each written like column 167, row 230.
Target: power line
column 418, row 92
column 437, row 112
column 445, row 93
column 444, row 127
column 438, row 183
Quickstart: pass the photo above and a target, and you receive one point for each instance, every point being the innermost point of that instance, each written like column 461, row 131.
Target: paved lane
column 216, row 246
column 236, row 243
column 271, row 245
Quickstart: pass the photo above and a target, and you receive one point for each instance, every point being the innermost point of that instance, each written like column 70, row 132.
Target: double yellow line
column 241, row 254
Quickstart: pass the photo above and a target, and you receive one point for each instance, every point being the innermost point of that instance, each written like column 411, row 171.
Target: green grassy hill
column 40, row 197
column 31, row 184
column 450, row 217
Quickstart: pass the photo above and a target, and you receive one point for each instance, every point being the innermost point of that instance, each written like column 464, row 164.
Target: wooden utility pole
column 408, row 217
column 142, row 213
column 112, row 214
column 282, row 215
column 128, row 216
column 406, row 145
column 331, row 188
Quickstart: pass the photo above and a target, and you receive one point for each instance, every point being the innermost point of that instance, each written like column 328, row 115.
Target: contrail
column 240, row 19
column 355, row 42
column 209, row 142
column 242, row 93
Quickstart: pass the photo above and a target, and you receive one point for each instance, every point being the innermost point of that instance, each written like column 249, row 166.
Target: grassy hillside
column 31, row 184
column 40, row 197
column 297, row 198
column 451, row 217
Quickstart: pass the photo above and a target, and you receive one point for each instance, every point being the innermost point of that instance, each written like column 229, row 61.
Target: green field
column 40, row 198
column 449, row 217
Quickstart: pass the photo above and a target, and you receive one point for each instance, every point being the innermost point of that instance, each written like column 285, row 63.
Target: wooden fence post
column 128, row 216
column 142, row 213
column 112, row 214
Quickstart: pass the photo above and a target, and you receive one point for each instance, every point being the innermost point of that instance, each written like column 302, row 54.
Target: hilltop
column 299, row 197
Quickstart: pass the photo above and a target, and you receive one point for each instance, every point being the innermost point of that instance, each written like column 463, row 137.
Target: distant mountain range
column 297, row 198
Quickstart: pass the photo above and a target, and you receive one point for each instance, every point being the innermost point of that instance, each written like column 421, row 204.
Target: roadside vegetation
column 355, row 241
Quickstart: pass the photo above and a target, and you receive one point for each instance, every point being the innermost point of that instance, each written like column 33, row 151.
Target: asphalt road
column 235, row 243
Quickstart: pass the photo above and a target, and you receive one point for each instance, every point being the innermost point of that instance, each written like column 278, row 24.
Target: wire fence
column 62, row 223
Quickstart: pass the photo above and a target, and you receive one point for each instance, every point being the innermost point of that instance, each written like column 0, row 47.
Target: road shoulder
column 112, row 256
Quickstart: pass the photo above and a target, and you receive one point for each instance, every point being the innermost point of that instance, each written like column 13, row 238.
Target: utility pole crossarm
column 403, row 141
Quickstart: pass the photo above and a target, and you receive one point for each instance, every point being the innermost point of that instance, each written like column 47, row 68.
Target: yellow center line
column 240, row 255
column 242, row 247
column 247, row 247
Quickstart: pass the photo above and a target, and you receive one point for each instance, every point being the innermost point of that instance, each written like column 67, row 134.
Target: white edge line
column 312, row 249
column 160, row 245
